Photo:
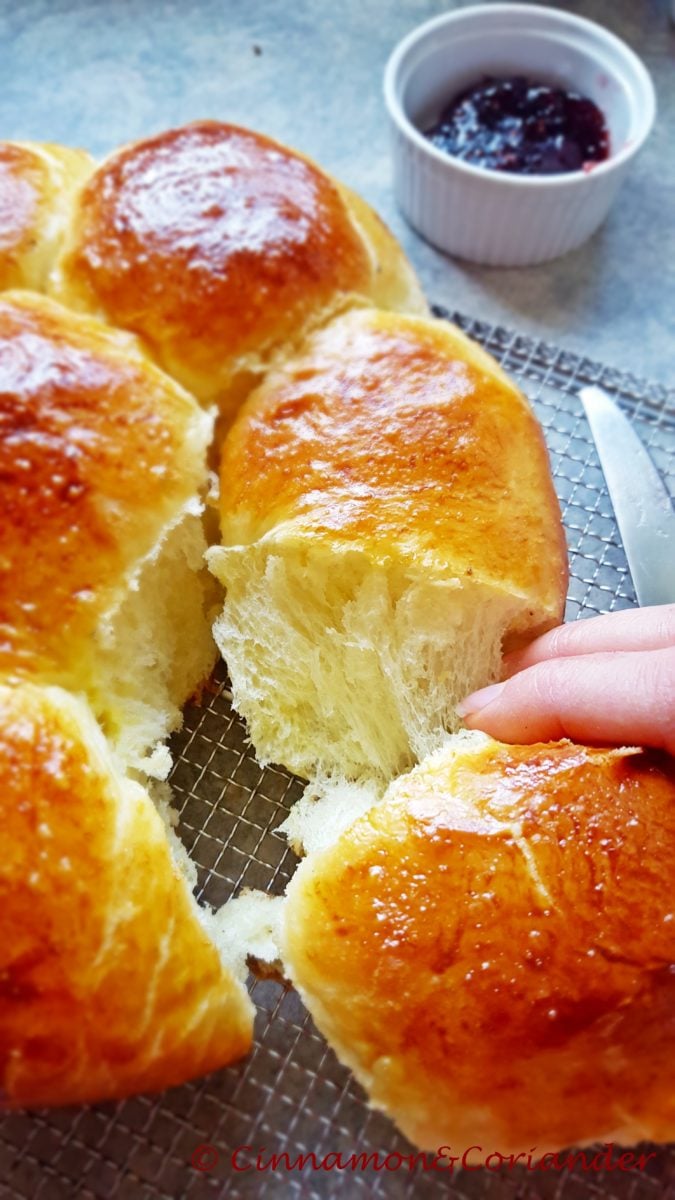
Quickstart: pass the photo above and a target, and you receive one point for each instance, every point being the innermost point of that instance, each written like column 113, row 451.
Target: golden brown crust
column 400, row 436
column 491, row 948
column 21, row 180
column 108, row 984
column 37, row 181
column 98, row 451
column 217, row 245
column 394, row 284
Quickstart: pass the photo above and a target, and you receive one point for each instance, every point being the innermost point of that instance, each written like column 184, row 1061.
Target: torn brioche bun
column 103, row 461
column 389, row 527
column 38, row 181
column 490, row 949
column 219, row 246
column 109, row 982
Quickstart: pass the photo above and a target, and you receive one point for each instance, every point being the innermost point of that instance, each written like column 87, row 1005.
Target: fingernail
column 479, row 700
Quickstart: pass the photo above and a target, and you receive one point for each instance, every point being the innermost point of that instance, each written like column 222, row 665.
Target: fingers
column 634, row 629
column 623, row 698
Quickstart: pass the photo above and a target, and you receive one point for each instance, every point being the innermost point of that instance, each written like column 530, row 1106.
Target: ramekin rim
column 489, row 176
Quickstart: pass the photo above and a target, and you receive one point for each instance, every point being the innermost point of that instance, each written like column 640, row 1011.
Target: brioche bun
column 389, row 525
column 108, row 983
column 490, row 949
column 219, row 246
column 37, row 184
column 102, row 459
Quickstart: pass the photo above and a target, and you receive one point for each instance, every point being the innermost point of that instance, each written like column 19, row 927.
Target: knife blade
column 642, row 505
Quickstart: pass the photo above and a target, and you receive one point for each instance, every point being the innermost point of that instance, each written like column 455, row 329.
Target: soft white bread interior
column 220, row 247
column 154, row 647
column 389, row 525
column 111, row 980
column 38, row 182
column 327, row 807
column 490, row 947
column 102, row 587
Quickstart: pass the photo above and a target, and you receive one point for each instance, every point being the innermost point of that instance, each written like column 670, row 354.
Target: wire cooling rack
column 291, row 1095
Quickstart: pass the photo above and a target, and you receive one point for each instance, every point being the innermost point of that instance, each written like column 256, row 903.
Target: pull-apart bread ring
column 102, row 461
column 389, row 529
column 389, row 526
column 109, row 984
column 218, row 246
column 490, row 948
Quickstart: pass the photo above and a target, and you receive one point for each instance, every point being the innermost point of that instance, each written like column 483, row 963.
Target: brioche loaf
column 490, row 947
column 389, row 525
column 219, row 246
column 108, row 982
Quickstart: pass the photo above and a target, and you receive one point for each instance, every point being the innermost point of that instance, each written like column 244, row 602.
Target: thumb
column 611, row 698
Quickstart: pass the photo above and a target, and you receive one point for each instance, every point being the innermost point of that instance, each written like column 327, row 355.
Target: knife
column 642, row 505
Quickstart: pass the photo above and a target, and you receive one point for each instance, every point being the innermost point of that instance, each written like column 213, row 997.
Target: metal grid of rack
column 291, row 1095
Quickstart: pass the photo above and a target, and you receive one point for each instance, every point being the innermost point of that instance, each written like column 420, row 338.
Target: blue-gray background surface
column 96, row 73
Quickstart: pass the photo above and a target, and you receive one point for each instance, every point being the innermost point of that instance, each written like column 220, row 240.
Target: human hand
column 609, row 680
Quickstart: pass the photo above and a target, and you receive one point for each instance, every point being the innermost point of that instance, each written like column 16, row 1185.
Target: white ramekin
column 489, row 216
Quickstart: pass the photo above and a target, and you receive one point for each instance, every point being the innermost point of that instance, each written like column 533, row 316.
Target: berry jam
column 522, row 126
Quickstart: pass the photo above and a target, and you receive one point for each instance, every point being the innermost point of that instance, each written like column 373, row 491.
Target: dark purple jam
column 522, row 126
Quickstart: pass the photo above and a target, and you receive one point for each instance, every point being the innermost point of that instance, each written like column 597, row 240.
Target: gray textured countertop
column 96, row 73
